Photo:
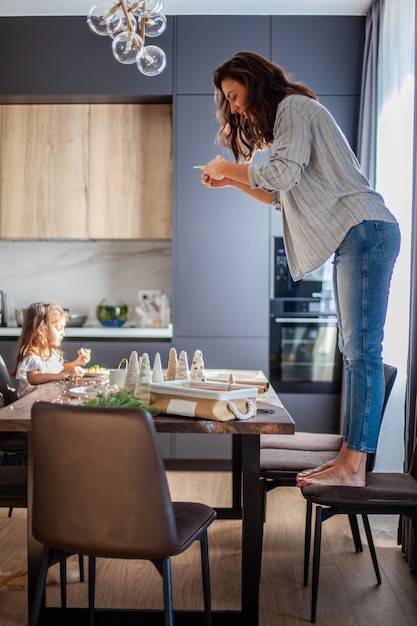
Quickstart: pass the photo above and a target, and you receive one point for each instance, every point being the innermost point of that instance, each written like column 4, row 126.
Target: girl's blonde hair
column 36, row 335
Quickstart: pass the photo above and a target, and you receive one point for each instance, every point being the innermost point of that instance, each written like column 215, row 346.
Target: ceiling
column 197, row 7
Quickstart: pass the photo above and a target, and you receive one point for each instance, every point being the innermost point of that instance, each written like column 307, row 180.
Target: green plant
column 120, row 399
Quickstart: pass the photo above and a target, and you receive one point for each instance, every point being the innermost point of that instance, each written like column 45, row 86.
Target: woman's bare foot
column 350, row 472
column 301, row 476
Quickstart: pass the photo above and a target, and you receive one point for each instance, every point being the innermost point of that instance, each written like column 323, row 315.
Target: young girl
column 39, row 358
column 328, row 209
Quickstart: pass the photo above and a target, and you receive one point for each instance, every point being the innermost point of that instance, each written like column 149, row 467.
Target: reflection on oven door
column 308, row 352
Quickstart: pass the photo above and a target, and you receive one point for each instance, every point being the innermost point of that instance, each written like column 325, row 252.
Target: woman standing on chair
column 328, row 208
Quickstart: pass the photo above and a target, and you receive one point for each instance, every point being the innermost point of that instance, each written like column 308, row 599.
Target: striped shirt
column 317, row 183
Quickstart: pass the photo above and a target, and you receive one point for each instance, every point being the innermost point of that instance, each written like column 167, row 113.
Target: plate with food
column 95, row 371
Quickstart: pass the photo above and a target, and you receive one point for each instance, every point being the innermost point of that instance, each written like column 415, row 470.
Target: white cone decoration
column 132, row 371
column 172, row 364
column 197, row 367
column 157, row 373
column 142, row 392
column 183, row 372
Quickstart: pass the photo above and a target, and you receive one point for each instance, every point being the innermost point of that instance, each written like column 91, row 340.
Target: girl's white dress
column 51, row 365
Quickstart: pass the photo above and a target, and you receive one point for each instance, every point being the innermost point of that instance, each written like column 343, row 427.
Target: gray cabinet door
column 325, row 51
column 86, row 67
column 221, row 252
column 204, row 42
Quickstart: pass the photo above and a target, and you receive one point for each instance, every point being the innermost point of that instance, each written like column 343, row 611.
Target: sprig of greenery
column 120, row 399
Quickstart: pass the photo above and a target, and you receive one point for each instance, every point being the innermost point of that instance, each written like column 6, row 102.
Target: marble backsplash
column 79, row 274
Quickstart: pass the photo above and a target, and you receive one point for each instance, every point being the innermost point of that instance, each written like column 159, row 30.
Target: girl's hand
column 77, row 372
column 84, row 356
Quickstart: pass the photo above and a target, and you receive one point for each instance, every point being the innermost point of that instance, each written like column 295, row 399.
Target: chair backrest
column 390, row 374
column 8, row 392
column 100, row 486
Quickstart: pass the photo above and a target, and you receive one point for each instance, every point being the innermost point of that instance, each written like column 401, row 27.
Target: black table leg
column 235, row 511
column 251, row 529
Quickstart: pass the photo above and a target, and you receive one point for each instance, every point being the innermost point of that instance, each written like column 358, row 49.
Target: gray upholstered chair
column 386, row 493
column 117, row 510
column 283, row 457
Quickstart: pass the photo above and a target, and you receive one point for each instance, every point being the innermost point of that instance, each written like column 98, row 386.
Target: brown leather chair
column 84, row 504
column 386, row 493
column 283, row 457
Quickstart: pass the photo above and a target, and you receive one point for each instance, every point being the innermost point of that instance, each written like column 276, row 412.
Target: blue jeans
column 362, row 272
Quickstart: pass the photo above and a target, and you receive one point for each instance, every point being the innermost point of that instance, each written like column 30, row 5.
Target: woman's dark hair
column 266, row 84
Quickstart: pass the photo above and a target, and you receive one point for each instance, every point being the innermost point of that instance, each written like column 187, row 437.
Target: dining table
column 271, row 417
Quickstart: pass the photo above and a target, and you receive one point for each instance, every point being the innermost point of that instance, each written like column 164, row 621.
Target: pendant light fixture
column 128, row 22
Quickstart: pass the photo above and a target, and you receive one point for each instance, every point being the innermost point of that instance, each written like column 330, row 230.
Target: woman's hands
column 212, row 174
column 220, row 173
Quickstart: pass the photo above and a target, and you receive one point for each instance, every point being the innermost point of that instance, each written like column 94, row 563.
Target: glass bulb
column 99, row 15
column 148, row 8
column 155, row 26
column 152, row 62
column 127, row 47
column 118, row 23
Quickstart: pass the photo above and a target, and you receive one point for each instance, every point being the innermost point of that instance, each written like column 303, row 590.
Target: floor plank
column 348, row 595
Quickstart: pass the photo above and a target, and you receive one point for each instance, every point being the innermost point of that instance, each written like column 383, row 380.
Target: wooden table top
column 271, row 417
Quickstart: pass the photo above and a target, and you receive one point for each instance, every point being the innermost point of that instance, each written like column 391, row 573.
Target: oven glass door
column 304, row 355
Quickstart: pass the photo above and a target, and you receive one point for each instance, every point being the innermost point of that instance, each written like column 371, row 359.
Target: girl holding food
column 39, row 357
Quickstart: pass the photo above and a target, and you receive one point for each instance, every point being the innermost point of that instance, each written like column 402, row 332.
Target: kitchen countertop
column 96, row 331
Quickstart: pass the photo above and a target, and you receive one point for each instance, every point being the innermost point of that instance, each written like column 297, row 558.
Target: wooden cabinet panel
column 130, row 171
column 86, row 171
column 44, row 156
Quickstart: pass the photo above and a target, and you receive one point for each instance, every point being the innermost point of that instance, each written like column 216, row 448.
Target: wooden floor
column 348, row 594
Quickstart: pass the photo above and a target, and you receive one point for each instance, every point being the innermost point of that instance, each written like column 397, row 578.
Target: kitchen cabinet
column 107, row 353
column 86, row 171
column 44, row 169
column 221, row 257
column 130, row 171
column 329, row 60
column 204, row 42
column 60, row 59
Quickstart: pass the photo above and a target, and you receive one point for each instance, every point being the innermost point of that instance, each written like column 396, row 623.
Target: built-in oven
column 305, row 362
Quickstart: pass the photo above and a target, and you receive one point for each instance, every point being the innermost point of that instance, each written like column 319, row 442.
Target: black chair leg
column 316, row 562
column 91, row 588
column 206, row 578
column 307, row 541
column 39, row 596
column 167, row 582
column 81, row 567
column 353, row 521
column 63, row 580
column 371, row 547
